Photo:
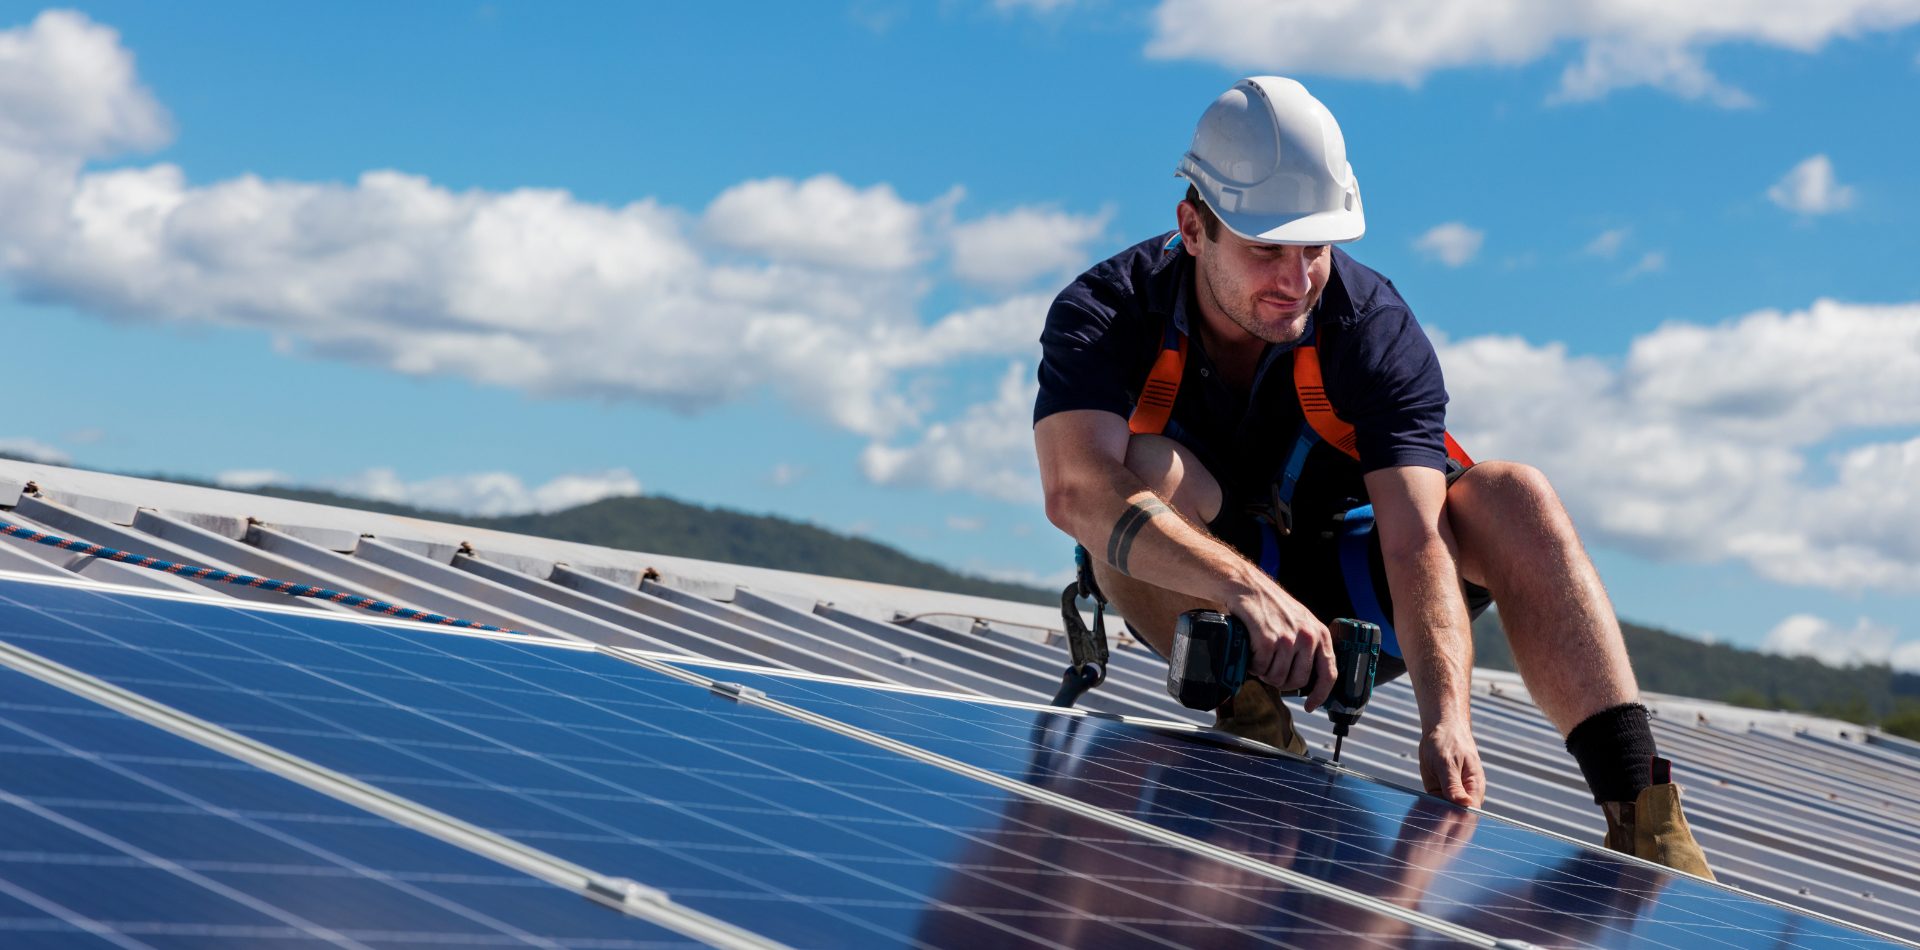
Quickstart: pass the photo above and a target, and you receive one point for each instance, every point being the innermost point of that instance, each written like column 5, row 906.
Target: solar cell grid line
column 1319, row 819
column 115, row 831
column 892, row 853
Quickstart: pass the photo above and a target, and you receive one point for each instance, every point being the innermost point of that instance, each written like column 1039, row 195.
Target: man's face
column 1265, row 289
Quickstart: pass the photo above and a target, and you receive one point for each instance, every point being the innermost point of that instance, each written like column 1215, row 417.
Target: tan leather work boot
column 1257, row 713
column 1654, row 828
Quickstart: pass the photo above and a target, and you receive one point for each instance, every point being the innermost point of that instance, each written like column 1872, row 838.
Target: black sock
column 1615, row 751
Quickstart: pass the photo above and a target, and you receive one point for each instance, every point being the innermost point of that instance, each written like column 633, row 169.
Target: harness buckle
column 1276, row 513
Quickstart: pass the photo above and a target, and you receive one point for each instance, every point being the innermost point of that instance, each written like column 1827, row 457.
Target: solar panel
column 795, row 832
column 113, row 832
column 1475, row 870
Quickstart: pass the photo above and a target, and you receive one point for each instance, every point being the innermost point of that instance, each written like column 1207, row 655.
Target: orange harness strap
column 1150, row 414
column 1336, row 431
column 1155, row 407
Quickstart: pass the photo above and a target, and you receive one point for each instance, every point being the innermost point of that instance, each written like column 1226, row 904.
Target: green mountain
column 665, row 526
column 1669, row 663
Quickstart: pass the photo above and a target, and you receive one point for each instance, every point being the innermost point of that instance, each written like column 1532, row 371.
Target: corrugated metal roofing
column 1811, row 812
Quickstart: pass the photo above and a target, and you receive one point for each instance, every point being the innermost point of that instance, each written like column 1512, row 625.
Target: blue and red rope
column 245, row 580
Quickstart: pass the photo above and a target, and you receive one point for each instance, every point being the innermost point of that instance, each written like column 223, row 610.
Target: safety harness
column 1153, row 412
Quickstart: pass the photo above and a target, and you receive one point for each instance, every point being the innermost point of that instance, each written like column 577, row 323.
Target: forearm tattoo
column 1136, row 517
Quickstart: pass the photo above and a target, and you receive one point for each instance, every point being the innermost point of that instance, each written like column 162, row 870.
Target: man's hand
column 1289, row 643
column 1450, row 765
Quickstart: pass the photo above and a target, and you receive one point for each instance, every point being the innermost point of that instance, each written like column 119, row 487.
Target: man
column 1239, row 416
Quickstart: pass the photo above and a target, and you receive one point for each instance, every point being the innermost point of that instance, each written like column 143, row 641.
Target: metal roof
column 1815, row 813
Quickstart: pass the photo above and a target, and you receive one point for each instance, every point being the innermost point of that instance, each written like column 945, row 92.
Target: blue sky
column 1604, row 213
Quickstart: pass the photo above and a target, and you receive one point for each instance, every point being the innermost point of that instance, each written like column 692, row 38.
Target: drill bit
column 1337, row 740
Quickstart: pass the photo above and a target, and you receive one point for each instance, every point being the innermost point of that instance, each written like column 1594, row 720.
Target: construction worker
column 1239, row 416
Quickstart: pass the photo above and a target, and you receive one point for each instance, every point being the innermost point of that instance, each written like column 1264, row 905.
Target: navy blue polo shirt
column 1380, row 372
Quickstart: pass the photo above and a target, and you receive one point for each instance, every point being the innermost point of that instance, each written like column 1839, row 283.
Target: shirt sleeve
column 1385, row 379
column 1085, row 348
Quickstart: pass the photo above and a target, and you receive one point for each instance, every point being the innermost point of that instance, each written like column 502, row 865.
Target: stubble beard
column 1242, row 310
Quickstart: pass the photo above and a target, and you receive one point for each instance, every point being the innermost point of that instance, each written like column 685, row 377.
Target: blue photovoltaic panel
column 803, row 835
column 116, row 833
column 1477, row 871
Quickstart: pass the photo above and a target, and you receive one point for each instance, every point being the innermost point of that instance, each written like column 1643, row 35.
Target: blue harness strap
column 1358, row 574
column 1288, row 480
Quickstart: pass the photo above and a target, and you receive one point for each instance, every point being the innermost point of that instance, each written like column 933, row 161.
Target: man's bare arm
column 1430, row 617
column 1093, row 496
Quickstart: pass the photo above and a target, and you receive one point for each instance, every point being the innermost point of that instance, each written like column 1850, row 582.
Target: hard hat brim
column 1311, row 228
column 1320, row 227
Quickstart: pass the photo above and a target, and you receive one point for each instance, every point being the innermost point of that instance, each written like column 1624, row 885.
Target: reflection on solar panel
column 799, row 834
column 116, row 833
column 1480, row 872
column 1089, row 832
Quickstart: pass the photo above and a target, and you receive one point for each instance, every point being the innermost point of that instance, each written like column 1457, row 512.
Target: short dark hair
column 1209, row 221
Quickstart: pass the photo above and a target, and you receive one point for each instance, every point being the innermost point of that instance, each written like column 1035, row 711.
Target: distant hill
column 1669, row 663
column 665, row 526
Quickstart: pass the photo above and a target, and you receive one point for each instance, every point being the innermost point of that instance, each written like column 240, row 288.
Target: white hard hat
column 1270, row 161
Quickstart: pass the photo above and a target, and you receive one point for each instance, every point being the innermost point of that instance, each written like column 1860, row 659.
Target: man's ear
column 1192, row 232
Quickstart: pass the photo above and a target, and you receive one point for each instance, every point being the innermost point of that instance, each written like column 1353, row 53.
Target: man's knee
column 1176, row 475
column 1501, row 490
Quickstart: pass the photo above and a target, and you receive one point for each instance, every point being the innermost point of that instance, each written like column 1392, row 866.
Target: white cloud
column 1705, row 442
column 1626, row 42
column 243, row 479
column 1866, row 643
column 824, row 220
column 1810, row 188
column 988, row 451
column 1452, row 244
column 1010, row 249
column 1651, row 262
column 809, row 288
column 34, row 450
column 960, row 523
column 486, row 494
column 1608, row 243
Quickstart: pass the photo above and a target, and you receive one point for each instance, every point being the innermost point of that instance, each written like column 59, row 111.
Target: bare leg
column 1171, row 472
column 1515, row 539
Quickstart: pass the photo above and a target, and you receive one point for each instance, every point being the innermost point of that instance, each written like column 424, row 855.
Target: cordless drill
column 1211, row 651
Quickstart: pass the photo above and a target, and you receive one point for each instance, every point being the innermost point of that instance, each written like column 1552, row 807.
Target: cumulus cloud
column 809, row 288
column 33, row 450
column 1624, row 42
column 1452, row 244
column 1810, row 188
column 1706, row 442
column 988, row 451
column 1865, row 643
column 1013, row 248
column 824, row 220
column 484, row 494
